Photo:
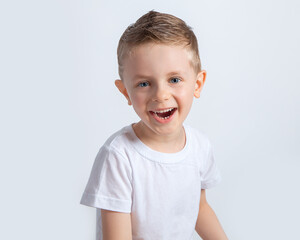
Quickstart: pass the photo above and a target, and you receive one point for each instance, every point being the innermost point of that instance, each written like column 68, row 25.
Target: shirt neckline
column 157, row 156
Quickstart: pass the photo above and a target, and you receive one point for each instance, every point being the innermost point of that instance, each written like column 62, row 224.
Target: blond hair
column 158, row 28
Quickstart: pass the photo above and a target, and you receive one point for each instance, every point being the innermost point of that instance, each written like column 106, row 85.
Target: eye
column 143, row 84
column 175, row 80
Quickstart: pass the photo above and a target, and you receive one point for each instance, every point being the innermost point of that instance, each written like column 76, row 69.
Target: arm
column 208, row 227
column 116, row 225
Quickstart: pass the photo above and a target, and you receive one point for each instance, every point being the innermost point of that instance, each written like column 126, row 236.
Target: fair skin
column 160, row 83
column 208, row 226
column 159, row 77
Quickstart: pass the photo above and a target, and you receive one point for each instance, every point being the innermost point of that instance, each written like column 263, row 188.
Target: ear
column 200, row 80
column 120, row 85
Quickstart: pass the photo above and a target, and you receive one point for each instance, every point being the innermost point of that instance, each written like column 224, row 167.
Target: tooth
column 163, row 111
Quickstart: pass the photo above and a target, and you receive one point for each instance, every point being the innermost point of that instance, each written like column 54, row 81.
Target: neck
column 170, row 143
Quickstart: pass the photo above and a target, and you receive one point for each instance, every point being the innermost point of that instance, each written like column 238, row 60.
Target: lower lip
column 161, row 120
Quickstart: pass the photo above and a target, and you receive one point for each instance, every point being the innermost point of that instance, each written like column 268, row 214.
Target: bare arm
column 208, row 227
column 116, row 225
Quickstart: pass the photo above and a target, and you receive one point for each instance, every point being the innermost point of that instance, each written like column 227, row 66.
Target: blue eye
column 143, row 84
column 175, row 80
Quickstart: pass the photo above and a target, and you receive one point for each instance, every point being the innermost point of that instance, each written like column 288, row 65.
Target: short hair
column 158, row 28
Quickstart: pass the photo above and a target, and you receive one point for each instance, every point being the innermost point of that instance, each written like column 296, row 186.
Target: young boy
column 147, row 178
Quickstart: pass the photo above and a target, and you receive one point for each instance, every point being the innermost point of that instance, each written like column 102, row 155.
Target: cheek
column 138, row 100
column 185, row 95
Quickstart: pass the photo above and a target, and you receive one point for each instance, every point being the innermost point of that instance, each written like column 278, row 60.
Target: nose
column 161, row 93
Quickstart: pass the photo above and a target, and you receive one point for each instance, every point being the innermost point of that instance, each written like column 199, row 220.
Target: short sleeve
column 210, row 174
column 109, row 186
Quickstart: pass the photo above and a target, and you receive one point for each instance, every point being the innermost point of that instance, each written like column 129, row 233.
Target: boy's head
column 160, row 72
column 160, row 28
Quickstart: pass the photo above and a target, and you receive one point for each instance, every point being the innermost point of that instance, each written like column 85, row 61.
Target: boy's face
column 160, row 83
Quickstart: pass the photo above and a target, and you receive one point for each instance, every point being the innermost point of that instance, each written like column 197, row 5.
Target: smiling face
column 160, row 83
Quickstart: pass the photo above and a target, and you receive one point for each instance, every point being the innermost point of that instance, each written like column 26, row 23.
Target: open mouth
column 164, row 114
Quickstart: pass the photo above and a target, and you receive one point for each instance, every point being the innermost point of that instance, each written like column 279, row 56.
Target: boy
column 147, row 178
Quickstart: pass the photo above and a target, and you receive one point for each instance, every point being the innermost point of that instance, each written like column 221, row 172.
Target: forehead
column 157, row 60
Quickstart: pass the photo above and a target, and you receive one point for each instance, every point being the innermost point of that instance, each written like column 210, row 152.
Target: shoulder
column 118, row 139
column 198, row 137
column 111, row 154
column 117, row 144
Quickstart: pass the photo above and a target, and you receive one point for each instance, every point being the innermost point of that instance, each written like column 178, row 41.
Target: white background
column 59, row 104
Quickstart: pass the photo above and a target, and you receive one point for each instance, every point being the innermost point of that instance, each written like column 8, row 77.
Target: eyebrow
column 139, row 76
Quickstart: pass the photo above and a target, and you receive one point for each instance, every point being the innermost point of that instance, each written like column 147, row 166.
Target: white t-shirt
column 160, row 190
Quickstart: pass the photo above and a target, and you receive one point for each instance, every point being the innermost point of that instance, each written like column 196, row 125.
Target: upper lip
column 162, row 109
